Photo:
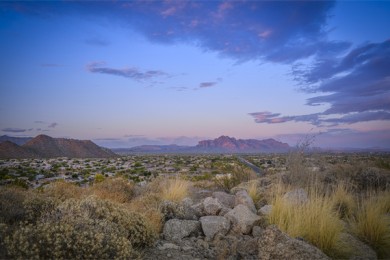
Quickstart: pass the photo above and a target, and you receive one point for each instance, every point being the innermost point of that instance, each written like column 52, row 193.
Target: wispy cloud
column 39, row 122
column 97, row 41
column 132, row 73
column 343, row 138
column 207, row 84
column 13, row 130
column 50, row 65
column 53, row 125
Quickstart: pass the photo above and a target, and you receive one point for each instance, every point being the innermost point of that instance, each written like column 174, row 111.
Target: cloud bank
column 356, row 86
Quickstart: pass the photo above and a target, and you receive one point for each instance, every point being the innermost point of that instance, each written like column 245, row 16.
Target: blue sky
column 125, row 73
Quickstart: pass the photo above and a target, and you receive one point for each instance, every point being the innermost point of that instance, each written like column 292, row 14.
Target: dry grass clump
column 148, row 205
column 344, row 203
column 114, row 189
column 62, row 190
column 82, row 229
column 314, row 221
column 253, row 191
column 372, row 223
column 175, row 189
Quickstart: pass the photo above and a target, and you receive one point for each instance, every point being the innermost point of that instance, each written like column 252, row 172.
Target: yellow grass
column 253, row 191
column 372, row 223
column 315, row 221
column 175, row 189
column 148, row 205
column 343, row 201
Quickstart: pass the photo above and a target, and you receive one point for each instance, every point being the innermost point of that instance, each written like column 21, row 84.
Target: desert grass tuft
column 253, row 191
column 175, row 189
column 148, row 205
column 344, row 202
column 314, row 221
column 372, row 223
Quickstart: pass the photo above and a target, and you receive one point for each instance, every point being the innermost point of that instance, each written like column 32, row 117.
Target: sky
column 127, row 73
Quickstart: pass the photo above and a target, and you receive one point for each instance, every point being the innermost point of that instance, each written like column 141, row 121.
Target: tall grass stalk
column 175, row 189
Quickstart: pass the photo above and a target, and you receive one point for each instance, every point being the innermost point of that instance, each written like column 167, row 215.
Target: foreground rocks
column 274, row 244
column 225, row 226
column 176, row 229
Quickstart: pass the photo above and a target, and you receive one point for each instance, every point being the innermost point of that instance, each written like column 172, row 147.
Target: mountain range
column 222, row 144
column 44, row 146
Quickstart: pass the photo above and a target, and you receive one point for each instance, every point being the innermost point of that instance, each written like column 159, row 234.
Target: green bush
column 79, row 229
column 11, row 204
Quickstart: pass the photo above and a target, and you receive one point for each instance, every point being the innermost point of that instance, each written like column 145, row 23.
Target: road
column 259, row 172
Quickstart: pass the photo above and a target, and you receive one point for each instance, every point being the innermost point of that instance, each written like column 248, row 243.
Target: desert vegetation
column 338, row 203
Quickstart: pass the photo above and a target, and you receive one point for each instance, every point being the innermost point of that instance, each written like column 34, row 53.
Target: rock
column 257, row 231
column 225, row 246
column 176, row 229
column 211, row 206
column 168, row 246
column 212, row 225
column 247, row 248
column 242, row 219
column 173, row 210
column 188, row 202
column 227, row 200
column 223, row 211
column 298, row 196
column 242, row 197
column 198, row 209
column 265, row 210
column 187, row 248
column 359, row 250
column 274, row 244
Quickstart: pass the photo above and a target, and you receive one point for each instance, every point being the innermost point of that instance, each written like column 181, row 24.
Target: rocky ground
column 218, row 225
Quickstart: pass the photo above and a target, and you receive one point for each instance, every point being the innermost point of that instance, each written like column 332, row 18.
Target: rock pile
column 225, row 226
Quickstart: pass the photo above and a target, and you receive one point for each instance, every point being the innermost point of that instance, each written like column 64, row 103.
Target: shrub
column 239, row 174
column 175, row 189
column 99, row 177
column 87, row 228
column 148, row 205
column 372, row 223
column 61, row 190
column 11, row 204
column 114, row 189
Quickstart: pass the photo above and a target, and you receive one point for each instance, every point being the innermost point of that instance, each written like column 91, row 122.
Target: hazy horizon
column 128, row 73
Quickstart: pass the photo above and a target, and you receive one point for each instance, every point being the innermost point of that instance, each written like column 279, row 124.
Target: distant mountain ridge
column 43, row 146
column 222, row 144
column 15, row 140
column 226, row 143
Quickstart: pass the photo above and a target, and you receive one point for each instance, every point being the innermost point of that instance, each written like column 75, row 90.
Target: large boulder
column 242, row 219
column 227, row 200
column 176, row 229
column 212, row 225
column 212, row 206
column 298, row 196
column 173, row 210
column 274, row 244
column 242, row 197
column 265, row 210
